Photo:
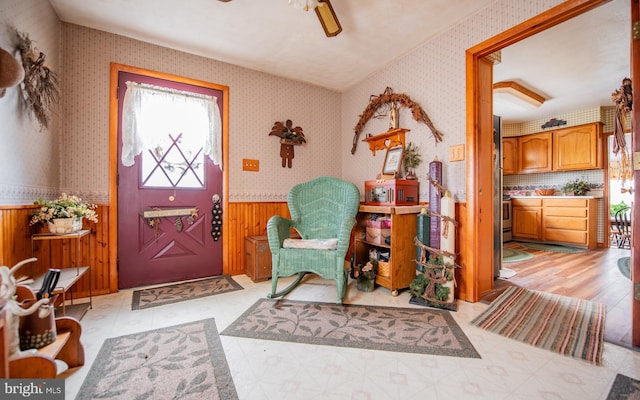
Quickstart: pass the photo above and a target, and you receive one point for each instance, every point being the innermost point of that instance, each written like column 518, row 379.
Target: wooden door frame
column 635, row 148
column 113, row 161
column 476, row 248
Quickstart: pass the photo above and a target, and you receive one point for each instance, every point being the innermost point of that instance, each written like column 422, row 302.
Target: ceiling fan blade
column 328, row 18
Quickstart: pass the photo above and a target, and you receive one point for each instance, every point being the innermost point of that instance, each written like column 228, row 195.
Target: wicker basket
column 545, row 192
column 384, row 269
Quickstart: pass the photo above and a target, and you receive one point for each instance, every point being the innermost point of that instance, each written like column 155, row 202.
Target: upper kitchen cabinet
column 535, row 153
column 578, row 147
column 510, row 155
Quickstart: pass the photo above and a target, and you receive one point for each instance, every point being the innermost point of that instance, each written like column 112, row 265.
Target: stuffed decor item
column 11, row 72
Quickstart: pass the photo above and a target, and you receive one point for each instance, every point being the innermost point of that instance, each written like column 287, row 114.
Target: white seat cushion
column 315, row 244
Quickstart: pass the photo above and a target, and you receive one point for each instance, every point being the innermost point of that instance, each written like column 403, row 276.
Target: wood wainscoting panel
column 248, row 219
column 15, row 246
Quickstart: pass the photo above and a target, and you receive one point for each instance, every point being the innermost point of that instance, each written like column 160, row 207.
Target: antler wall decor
column 402, row 100
column 289, row 137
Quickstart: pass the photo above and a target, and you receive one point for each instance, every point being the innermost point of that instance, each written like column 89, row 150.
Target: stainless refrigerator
column 497, row 196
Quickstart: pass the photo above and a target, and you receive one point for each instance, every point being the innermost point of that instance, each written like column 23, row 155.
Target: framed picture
column 393, row 161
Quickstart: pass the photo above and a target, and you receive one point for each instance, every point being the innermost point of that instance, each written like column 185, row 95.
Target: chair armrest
column 278, row 229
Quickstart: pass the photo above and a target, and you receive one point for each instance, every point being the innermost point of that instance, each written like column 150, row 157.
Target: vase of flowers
column 367, row 276
column 64, row 214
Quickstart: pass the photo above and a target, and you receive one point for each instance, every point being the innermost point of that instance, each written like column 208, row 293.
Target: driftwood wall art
column 40, row 84
column 401, row 99
column 289, row 137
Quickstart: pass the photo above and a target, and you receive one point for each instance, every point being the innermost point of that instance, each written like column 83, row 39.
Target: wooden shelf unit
column 386, row 140
column 41, row 364
column 402, row 250
column 69, row 276
column 4, row 345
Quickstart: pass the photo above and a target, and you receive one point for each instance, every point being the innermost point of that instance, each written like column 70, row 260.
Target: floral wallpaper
column 434, row 76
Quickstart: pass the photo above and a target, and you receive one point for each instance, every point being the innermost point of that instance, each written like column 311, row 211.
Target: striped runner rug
column 571, row 327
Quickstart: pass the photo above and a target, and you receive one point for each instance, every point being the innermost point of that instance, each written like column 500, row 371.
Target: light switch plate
column 456, row 153
column 636, row 160
column 250, row 165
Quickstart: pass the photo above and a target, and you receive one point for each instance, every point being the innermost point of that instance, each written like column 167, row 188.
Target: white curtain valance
column 142, row 119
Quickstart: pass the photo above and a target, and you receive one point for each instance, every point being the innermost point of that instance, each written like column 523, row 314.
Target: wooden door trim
column 635, row 143
column 113, row 161
column 476, row 249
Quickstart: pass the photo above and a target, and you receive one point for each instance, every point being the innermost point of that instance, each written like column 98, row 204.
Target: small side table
column 68, row 276
column 257, row 258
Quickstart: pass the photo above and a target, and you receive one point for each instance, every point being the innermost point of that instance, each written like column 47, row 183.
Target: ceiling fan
column 324, row 11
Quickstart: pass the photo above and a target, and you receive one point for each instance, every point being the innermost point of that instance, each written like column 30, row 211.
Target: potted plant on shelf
column 577, row 187
column 64, row 214
column 411, row 159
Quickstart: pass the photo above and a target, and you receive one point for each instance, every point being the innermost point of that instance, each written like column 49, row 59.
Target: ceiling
column 575, row 65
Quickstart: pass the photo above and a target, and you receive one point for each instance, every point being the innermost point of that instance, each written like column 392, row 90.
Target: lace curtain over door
column 151, row 113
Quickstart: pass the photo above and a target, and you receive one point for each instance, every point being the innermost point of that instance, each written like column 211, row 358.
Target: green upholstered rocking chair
column 323, row 212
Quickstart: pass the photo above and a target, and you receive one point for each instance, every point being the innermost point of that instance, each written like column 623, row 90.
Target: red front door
column 165, row 203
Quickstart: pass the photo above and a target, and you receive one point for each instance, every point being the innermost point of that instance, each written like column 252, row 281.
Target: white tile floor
column 264, row 369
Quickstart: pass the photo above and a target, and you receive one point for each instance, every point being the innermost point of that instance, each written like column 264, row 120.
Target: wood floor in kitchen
column 590, row 275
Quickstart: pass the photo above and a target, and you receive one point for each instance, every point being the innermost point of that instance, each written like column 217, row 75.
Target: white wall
column 29, row 156
column 434, row 76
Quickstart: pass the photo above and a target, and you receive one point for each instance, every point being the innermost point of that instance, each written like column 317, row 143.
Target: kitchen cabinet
column 566, row 149
column 570, row 221
column 556, row 219
column 526, row 218
column 402, row 249
column 578, row 147
column 535, row 153
column 510, row 155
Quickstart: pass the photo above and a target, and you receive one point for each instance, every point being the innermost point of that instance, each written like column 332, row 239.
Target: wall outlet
column 250, row 165
column 456, row 153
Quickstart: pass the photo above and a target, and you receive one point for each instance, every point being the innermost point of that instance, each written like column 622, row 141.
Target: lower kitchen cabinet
column 527, row 219
column 570, row 221
column 561, row 220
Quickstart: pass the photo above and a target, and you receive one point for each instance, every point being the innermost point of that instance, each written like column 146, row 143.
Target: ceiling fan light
column 328, row 18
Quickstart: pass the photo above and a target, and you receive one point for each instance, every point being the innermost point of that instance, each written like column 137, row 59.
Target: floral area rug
column 513, row 255
column 159, row 296
column 624, row 388
column 624, row 265
column 554, row 248
column 179, row 362
column 408, row 330
column 571, row 327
